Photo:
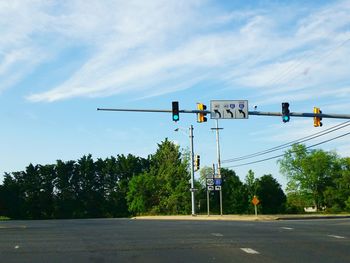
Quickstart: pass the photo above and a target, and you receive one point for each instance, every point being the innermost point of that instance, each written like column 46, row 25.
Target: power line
column 293, row 67
column 285, row 145
column 277, row 156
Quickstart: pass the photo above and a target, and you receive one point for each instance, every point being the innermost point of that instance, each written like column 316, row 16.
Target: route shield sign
column 217, row 181
column 210, row 181
column 229, row 109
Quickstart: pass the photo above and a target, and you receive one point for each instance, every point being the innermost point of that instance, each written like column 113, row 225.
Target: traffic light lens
column 286, row 118
column 176, row 117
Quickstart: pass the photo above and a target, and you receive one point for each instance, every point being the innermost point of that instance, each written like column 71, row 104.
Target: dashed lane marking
column 249, row 250
column 217, row 234
column 12, row 226
column 335, row 236
column 287, row 228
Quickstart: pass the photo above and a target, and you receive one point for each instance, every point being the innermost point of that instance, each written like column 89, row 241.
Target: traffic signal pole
column 257, row 113
column 301, row 114
column 203, row 111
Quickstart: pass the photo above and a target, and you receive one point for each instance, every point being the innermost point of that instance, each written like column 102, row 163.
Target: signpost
column 213, row 183
column 255, row 202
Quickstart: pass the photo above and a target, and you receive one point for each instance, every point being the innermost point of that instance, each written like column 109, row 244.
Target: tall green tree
column 67, row 189
column 251, row 185
column 12, row 198
column 32, row 183
column 234, row 193
column 271, row 196
column 126, row 167
column 165, row 187
column 46, row 196
column 337, row 195
column 91, row 194
column 309, row 171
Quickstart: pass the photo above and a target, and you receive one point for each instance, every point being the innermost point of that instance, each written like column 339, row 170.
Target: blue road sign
column 217, row 181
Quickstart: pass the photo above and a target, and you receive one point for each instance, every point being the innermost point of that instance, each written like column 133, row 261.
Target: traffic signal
column 317, row 120
column 201, row 117
column 197, row 162
column 175, row 111
column 285, row 112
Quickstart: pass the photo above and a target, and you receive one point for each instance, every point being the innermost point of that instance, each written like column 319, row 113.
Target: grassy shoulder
column 4, row 218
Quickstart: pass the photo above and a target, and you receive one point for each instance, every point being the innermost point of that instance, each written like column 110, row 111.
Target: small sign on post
column 255, row 202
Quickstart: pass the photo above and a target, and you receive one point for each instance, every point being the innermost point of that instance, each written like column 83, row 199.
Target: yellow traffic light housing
column 317, row 120
column 197, row 162
column 201, row 117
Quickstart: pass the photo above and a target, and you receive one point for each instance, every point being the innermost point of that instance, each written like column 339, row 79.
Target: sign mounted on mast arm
column 229, row 109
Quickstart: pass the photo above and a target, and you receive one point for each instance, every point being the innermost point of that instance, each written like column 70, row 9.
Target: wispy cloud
column 139, row 46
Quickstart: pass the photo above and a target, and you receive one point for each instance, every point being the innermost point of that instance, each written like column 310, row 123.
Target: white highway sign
column 229, row 109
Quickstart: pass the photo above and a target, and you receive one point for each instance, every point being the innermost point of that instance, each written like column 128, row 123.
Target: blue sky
column 60, row 60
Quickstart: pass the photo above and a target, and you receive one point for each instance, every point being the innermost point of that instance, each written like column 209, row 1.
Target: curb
column 240, row 217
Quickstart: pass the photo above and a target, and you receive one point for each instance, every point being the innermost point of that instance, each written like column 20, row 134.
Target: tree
column 271, row 196
column 309, row 172
column 67, row 189
column 337, row 194
column 12, row 201
column 121, row 171
column 234, row 193
column 164, row 188
column 46, row 195
column 251, row 186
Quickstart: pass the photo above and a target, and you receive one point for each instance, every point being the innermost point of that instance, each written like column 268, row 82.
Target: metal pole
column 192, row 172
column 208, row 210
column 218, row 147
column 219, row 161
column 256, row 210
column 256, row 113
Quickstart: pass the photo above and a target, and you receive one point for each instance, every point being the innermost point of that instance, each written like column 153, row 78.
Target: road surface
column 128, row 240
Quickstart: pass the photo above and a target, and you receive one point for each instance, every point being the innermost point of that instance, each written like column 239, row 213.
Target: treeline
column 123, row 186
column 73, row 189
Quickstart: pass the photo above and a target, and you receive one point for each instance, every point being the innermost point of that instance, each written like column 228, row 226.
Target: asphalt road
column 127, row 240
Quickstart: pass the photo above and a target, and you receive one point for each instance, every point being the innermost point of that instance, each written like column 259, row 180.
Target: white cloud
column 138, row 46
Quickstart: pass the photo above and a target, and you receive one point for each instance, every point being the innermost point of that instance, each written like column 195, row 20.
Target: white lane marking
column 287, row 228
column 249, row 250
column 339, row 237
column 217, row 234
column 17, row 247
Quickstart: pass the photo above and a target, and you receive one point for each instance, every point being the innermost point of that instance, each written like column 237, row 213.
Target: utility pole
column 192, row 172
column 218, row 156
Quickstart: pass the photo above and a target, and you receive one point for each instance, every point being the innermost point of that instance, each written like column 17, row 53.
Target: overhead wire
column 285, row 145
column 280, row 155
column 293, row 67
